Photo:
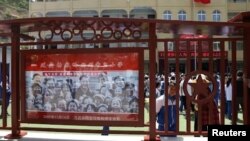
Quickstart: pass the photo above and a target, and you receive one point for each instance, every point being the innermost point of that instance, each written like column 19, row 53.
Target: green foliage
column 13, row 9
column 23, row 4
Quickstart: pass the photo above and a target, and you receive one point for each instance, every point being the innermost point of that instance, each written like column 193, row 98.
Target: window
column 182, row 15
column 143, row 13
column 170, row 46
column 201, row 15
column 36, row 14
column 239, row 45
column 151, row 16
column 216, row 46
column 36, row 0
column 85, row 13
column 114, row 13
column 237, row 1
column 167, row 15
column 216, row 16
column 58, row 14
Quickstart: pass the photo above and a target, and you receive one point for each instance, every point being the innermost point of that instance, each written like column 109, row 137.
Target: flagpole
column 193, row 19
column 193, row 11
column 128, row 1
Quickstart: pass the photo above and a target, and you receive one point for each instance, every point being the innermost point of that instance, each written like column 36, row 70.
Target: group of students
column 209, row 116
column 8, row 94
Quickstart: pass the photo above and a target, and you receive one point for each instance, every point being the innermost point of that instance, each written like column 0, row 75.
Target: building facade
column 221, row 10
column 215, row 11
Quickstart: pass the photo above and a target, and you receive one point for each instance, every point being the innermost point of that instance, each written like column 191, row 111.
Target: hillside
column 13, row 9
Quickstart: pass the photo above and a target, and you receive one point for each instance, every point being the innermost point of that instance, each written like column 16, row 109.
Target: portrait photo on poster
column 82, row 87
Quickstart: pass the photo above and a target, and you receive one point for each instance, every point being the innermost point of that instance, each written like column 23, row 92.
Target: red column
column 246, row 98
column 15, row 96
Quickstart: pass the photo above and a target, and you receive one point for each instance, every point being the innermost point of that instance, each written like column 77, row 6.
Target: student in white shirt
column 228, row 93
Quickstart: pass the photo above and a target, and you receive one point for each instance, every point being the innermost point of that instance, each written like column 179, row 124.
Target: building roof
column 242, row 17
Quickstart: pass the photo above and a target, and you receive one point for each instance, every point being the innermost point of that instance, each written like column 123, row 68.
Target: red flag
column 203, row 1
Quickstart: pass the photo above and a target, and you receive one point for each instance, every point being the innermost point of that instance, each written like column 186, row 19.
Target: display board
column 94, row 88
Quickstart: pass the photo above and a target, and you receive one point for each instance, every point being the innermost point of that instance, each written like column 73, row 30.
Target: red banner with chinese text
column 184, row 54
column 77, row 62
column 203, row 1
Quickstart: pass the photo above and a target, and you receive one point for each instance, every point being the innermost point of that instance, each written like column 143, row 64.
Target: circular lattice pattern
column 203, row 87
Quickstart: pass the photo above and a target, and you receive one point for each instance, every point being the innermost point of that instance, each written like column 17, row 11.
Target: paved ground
column 54, row 136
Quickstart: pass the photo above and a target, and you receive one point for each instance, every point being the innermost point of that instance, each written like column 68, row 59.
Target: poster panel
column 81, row 87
